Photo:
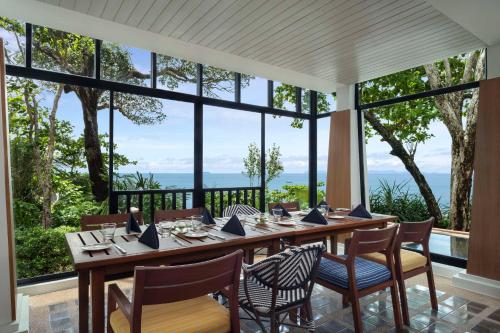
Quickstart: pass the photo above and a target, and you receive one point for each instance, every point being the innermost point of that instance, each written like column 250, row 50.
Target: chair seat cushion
column 409, row 259
column 197, row 315
column 368, row 273
column 261, row 296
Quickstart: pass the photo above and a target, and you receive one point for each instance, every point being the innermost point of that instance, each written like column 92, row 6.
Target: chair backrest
column 94, row 222
column 239, row 209
column 296, row 267
column 165, row 215
column 373, row 240
column 289, row 206
column 415, row 232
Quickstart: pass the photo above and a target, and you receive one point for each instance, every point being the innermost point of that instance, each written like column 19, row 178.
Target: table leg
column 334, row 244
column 97, row 287
column 275, row 247
column 83, row 301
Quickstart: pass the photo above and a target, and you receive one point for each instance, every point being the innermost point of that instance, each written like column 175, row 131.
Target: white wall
column 493, row 58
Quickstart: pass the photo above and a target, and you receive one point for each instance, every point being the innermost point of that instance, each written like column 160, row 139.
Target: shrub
column 26, row 214
column 396, row 199
column 42, row 251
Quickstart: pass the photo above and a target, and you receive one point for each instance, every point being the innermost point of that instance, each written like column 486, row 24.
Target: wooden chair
column 175, row 298
column 94, row 222
column 281, row 284
column 165, row 215
column 409, row 263
column 289, row 206
column 355, row 277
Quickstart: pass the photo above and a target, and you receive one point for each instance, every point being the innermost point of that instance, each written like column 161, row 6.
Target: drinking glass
column 108, row 231
column 260, row 218
column 166, row 228
column 324, row 209
column 277, row 213
column 196, row 223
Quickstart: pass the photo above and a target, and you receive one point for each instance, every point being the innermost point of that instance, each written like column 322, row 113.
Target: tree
column 252, row 164
column 74, row 54
column 406, row 125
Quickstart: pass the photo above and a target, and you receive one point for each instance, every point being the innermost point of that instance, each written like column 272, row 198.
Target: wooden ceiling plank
column 166, row 15
column 139, row 11
column 97, row 7
column 125, row 11
column 181, row 15
column 111, row 9
column 194, row 17
column 153, row 13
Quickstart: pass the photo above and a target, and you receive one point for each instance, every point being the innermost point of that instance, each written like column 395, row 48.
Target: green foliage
column 274, row 167
column 396, row 199
column 26, row 214
column 42, row 251
column 293, row 192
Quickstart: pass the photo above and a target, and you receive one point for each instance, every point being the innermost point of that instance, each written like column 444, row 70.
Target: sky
column 168, row 146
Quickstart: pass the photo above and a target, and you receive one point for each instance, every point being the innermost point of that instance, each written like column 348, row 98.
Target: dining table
column 125, row 252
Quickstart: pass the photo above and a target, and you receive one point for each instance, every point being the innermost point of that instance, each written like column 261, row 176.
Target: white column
column 345, row 101
column 493, row 61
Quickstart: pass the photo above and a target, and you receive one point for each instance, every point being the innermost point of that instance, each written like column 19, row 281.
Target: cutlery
column 120, row 249
column 217, row 236
column 179, row 242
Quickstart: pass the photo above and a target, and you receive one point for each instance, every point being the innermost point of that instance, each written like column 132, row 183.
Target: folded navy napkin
column 323, row 202
column 234, row 226
column 360, row 211
column 132, row 224
column 207, row 217
column 150, row 237
column 315, row 216
column 285, row 212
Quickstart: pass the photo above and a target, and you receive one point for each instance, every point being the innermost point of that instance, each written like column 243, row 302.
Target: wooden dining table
column 96, row 267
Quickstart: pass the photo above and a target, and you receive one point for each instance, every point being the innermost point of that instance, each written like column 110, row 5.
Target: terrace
column 152, row 113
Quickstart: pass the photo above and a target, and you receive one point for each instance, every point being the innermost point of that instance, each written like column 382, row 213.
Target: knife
column 217, row 236
column 179, row 242
column 120, row 249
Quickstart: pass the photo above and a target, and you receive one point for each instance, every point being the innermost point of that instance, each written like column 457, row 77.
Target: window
column 176, row 74
column 218, row 83
column 287, row 178
column 125, row 64
column 253, row 90
column 229, row 137
column 73, row 185
column 154, row 143
column 64, row 52
column 306, row 100
column 284, row 96
column 327, row 102
column 14, row 37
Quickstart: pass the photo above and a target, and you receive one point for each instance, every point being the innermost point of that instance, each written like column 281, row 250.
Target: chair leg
column 432, row 289
column 274, row 323
column 356, row 315
column 404, row 301
column 395, row 307
column 345, row 301
column 249, row 256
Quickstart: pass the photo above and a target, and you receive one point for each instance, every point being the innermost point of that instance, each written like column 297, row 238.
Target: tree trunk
column 89, row 99
column 399, row 151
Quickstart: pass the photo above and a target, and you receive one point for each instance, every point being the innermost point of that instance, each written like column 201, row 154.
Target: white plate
column 304, row 212
column 343, row 209
column 193, row 234
column 96, row 247
column 337, row 217
column 287, row 223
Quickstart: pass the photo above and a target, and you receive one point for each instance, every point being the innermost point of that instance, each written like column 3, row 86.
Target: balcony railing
column 215, row 199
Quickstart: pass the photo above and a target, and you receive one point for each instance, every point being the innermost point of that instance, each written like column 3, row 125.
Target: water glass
column 277, row 213
column 324, row 209
column 196, row 222
column 166, row 228
column 260, row 218
column 108, row 231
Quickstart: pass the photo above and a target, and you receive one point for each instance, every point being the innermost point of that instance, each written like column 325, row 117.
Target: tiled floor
column 459, row 311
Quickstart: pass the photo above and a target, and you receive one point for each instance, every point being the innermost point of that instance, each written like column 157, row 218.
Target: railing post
column 113, row 203
column 198, row 199
column 313, row 149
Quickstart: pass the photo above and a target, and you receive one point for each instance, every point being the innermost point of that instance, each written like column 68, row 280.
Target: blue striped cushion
column 368, row 273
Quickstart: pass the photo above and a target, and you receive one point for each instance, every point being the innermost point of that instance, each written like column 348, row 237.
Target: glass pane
column 155, row 136
column 218, row 83
column 326, row 102
column 284, row 96
column 253, row 90
column 323, row 139
column 287, row 160
column 176, row 74
column 229, row 137
column 73, row 184
column 14, row 37
column 60, row 51
column 306, row 101
column 125, row 64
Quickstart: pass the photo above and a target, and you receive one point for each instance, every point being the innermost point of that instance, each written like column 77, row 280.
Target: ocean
column 439, row 183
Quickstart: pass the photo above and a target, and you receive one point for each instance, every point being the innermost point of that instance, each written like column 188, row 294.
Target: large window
column 284, row 96
column 153, row 143
column 229, row 138
column 253, row 90
column 323, row 139
column 218, row 83
column 13, row 34
column 125, row 64
column 287, row 159
column 176, row 74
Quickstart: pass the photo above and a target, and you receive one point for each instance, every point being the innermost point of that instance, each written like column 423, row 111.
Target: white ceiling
column 316, row 44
